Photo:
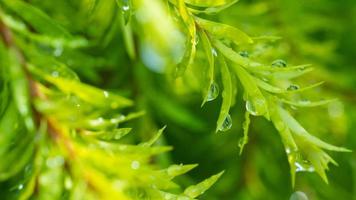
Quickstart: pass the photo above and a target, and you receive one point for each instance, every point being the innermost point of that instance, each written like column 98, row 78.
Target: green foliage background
column 128, row 49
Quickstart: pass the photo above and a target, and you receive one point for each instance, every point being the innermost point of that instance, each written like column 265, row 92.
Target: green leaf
column 297, row 129
column 307, row 103
column 198, row 189
column 154, row 138
column 208, row 49
column 223, row 31
column 20, row 87
column 113, row 135
column 190, row 51
column 210, row 3
column 230, row 54
column 256, row 103
column 40, row 21
column 245, row 126
column 176, row 170
column 226, row 93
column 87, row 93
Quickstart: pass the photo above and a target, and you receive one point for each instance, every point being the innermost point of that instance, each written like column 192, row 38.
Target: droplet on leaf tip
column 293, row 87
column 244, row 54
column 298, row 195
column 227, row 124
column 279, row 63
column 213, row 92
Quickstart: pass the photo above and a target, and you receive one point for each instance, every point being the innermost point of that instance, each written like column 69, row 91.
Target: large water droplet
column 304, row 166
column 244, row 54
column 279, row 63
column 227, row 124
column 301, row 164
column 293, row 87
column 213, row 92
column 298, row 195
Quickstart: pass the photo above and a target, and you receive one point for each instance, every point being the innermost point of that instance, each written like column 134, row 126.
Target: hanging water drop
column 256, row 107
column 126, row 10
column 298, row 195
column 213, row 92
column 251, row 108
column 279, row 63
column 244, row 54
column 196, row 40
column 303, row 166
column 227, row 124
column 213, row 51
column 293, row 87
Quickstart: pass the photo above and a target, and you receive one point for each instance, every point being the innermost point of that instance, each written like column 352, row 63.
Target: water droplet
column 227, row 124
column 126, row 10
column 256, row 107
column 20, row 187
column 135, row 164
column 293, row 87
column 55, row 161
column 58, row 50
column 196, row 40
column 125, row 7
column 213, row 51
column 244, row 54
column 298, row 195
column 304, row 102
column 303, row 166
column 106, row 94
column 55, row 73
column 213, row 92
column 279, row 63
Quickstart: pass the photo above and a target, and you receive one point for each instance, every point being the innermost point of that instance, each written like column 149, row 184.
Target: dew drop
column 298, row 195
column 196, row 40
column 106, row 94
column 135, row 164
column 55, row 74
column 244, row 54
column 125, row 7
column 213, row 92
column 293, row 87
column 250, row 108
column 304, row 102
column 213, row 51
column 58, row 50
column 227, row 124
column 304, row 166
column 20, row 187
column 255, row 107
column 279, row 63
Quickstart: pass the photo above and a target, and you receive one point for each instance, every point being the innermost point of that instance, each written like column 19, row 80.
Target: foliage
column 78, row 76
